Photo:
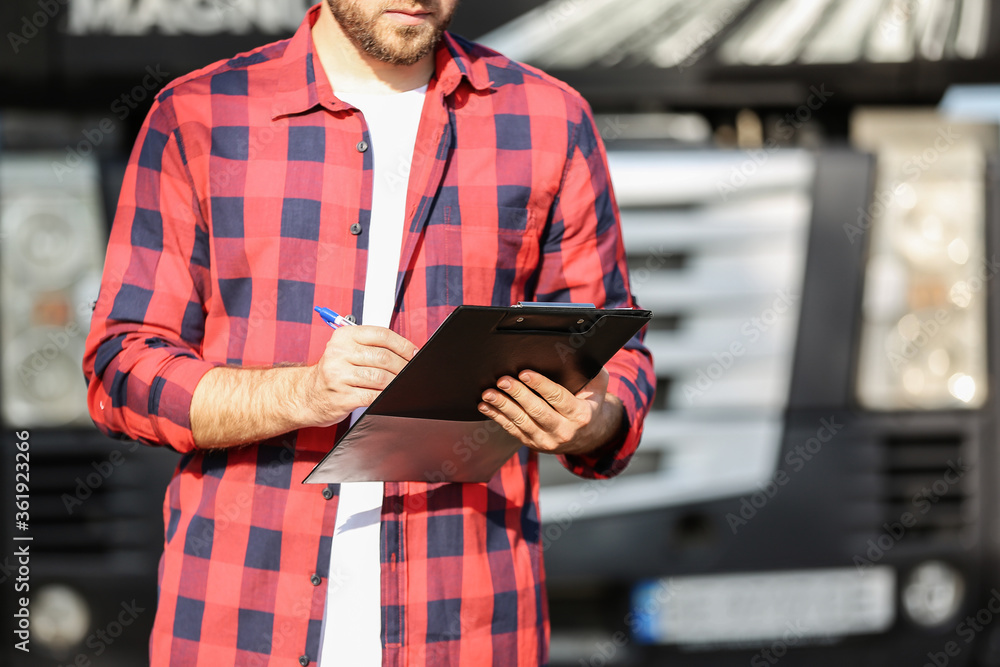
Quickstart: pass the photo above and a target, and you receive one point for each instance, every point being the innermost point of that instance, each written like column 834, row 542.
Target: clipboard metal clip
column 552, row 304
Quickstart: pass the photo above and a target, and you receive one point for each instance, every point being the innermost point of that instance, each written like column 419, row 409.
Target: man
column 381, row 167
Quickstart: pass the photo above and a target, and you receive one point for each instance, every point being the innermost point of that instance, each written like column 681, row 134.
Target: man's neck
column 350, row 68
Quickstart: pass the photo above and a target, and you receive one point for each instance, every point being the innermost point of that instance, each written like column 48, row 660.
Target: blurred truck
column 817, row 480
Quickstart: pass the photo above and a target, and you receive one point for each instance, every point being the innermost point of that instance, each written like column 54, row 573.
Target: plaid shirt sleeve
column 142, row 361
column 584, row 241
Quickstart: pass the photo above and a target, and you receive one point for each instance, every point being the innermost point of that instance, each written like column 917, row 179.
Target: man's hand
column 234, row 406
column 549, row 419
column 358, row 363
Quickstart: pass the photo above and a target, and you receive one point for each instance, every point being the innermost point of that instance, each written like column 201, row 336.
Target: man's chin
column 406, row 45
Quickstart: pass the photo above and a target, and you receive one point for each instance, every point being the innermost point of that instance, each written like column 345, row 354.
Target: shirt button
column 362, row 146
column 327, row 493
column 356, row 228
column 315, row 579
column 304, row 660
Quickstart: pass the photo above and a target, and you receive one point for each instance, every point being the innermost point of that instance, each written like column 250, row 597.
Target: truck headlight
column 923, row 335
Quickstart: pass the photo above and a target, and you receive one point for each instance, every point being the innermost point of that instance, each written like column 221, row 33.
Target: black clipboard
column 425, row 426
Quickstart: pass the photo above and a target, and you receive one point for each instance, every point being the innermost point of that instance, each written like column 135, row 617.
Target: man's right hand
column 357, row 364
column 233, row 406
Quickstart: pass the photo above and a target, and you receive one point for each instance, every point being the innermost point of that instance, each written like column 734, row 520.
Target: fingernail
column 483, row 408
column 504, row 384
column 489, row 396
column 525, row 377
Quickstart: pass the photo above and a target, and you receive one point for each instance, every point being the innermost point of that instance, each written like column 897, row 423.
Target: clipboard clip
column 552, row 304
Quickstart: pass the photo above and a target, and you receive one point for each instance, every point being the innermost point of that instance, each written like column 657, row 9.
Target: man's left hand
column 548, row 418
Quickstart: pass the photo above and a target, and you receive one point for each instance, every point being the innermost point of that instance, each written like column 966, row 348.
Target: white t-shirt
column 352, row 621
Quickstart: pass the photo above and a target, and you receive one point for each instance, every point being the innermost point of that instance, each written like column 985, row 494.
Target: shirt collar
column 301, row 85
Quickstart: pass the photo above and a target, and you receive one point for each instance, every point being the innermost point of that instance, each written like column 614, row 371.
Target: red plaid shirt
column 246, row 202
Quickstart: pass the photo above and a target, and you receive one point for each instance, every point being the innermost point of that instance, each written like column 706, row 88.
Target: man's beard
column 393, row 44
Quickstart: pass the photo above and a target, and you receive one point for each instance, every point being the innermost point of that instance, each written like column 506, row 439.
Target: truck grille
column 928, row 478
column 96, row 500
column 718, row 256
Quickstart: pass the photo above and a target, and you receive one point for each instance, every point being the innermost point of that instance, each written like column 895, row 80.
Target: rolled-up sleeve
column 583, row 260
column 143, row 354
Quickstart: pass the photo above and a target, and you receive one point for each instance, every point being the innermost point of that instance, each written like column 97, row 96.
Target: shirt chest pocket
column 493, row 249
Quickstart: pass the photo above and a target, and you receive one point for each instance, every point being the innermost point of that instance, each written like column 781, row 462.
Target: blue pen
column 333, row 319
